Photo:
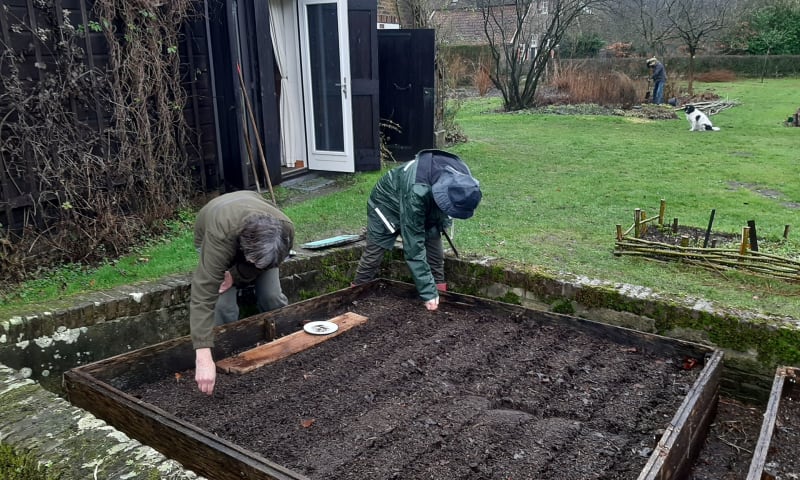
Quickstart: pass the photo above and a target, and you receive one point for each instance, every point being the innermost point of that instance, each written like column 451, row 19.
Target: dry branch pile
column 712, row 107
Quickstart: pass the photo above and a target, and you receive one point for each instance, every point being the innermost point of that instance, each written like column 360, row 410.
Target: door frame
column 318, row 159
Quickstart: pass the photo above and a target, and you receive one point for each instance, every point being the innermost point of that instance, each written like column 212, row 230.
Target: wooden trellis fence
column 746, row 257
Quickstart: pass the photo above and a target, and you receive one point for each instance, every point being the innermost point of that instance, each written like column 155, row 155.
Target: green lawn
column 555, row 186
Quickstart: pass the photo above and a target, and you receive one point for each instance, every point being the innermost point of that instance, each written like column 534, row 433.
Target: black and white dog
column 698, row 121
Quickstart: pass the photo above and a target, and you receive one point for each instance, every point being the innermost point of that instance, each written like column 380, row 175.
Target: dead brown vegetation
column 482, row 80
column 621, row 49
column 581, row 85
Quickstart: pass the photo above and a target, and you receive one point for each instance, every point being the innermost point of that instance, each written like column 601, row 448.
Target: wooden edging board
column 683, row 439
column 782, row 374
column 99, row 387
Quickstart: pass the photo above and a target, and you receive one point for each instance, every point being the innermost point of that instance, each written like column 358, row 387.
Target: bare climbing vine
column 95, row 154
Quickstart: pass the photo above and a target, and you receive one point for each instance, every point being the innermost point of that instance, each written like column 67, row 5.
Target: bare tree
column 523, row 36
column 649, row 20
column 696, row 21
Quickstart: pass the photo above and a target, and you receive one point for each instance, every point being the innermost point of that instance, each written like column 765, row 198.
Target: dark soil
column 463, row 392
column 730, row 443
column 696, row 236
column 733, row 437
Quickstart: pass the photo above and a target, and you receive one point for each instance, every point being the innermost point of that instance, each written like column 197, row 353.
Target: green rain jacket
column 216, row 236
column 403, row 195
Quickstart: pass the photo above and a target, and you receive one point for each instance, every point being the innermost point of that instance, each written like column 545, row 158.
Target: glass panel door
column 326, row 71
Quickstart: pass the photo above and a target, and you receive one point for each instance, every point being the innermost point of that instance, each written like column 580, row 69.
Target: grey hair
column 265, row 241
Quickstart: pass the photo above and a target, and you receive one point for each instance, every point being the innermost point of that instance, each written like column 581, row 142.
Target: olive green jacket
column 216, row 237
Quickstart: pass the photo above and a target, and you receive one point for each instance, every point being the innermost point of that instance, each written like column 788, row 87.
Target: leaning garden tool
column 255, row 129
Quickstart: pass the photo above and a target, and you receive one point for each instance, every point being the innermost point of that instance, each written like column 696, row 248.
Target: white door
column 324, row 48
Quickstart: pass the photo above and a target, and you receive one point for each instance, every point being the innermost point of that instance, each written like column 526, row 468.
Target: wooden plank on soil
column 759, row 460
column 283, row 347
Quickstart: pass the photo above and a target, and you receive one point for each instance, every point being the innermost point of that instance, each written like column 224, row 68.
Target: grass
column 554, row 188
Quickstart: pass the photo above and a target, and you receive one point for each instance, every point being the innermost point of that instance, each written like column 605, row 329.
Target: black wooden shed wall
column 35, row 55
column 221, row 34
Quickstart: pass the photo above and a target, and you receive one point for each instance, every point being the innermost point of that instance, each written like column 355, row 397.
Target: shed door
column 407, row 89
column 326, row 71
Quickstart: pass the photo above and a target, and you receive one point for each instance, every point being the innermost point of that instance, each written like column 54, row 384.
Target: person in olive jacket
column 417, row 201
column 242, row 239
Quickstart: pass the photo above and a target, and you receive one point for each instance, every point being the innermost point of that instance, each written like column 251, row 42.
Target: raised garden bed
column 703, row 247
column 777, row 454
column 478, row 389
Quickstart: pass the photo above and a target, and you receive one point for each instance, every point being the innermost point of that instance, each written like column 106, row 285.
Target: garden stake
column 708, row 230
column 753, row 236
column 250, row 155
column 786, row 232
column 255, row 130
column 745, row 237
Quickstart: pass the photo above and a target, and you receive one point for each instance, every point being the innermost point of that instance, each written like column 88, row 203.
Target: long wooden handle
column 255, row 129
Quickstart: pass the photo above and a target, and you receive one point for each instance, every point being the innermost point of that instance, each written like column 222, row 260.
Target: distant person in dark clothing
column 659, row 76
column 417, row 201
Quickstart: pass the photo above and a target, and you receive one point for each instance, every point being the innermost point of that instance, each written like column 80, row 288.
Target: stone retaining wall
column 72, row 441
column 37, row 348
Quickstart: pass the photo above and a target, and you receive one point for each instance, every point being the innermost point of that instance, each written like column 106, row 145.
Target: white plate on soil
column 322, row 327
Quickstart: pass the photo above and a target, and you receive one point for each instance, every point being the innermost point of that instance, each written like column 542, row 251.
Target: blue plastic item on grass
column 331, row 242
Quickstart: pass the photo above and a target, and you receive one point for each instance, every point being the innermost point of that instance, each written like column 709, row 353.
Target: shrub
column 578, row 84
column 482, row 81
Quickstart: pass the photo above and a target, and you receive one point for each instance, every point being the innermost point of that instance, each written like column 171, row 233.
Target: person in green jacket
column 242, row 239
column 418, row 201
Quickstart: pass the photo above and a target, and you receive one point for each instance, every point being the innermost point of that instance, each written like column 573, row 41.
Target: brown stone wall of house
column 464, row 26
column 387, row 11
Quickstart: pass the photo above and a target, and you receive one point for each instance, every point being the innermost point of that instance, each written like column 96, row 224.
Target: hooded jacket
column 404, row 197
column 659, row 73
column 216, row 237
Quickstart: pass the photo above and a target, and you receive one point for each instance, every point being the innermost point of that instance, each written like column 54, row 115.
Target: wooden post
column 675, row 225
column 661, row 212
column 643, row 230
column 637, row 220
column 708, row 230
column 786, row 232
column 619, row 232
column 714, row 243
column 751, row 224
column 745, row 239
column 684, row 240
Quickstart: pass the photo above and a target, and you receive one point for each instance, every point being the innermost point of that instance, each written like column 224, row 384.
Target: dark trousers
column 370, row 263
column 269, row 296
column 658, row 92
